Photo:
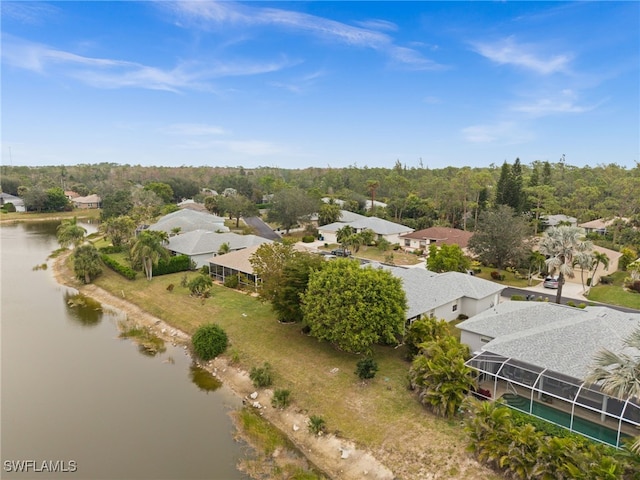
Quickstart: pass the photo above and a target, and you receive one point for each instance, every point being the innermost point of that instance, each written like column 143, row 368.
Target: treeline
column 417, row 197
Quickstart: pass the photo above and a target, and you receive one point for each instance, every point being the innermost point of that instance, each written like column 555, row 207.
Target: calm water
column 73, row 392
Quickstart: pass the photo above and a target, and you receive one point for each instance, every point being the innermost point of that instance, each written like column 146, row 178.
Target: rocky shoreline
column 336, row 457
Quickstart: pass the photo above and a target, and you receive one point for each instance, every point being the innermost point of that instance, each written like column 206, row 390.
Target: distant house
column 187, row 220
column 84, row 203
column 16, row 201
column 535, row 353
column 600, row 225
column 556, row 220
column 70, row 194
column 382, row 228
column 201, row 245
column 193, row 205
column 445, row 295
column 421, row 239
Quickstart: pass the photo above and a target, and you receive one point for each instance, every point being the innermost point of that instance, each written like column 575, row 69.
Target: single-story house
column 445, row 295
column 70, row 194
column 556, row 220
column 201, row 245
column 16, row 201
column 90, row 201
column 222, row 267
column 600, row 225
column 536, row 356
column 382, row 228
column 421, row 239
column 189, row 220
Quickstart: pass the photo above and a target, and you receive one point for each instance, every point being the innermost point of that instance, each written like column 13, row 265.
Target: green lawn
column 322, row 379
column 510, row 279
column 33, row 216
column 615, row 294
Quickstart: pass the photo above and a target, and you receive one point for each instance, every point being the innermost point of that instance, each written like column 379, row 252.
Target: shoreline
column 336, row 457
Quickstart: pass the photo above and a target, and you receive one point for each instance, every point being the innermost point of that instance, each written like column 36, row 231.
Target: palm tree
column 560, row 245
column 70, row 233
column 584, row 260
column 618, row 374
column 224, row 248
column 148, row 249
column 599, row 258
column 86, row 263
column 372, row 186
column 343, row 234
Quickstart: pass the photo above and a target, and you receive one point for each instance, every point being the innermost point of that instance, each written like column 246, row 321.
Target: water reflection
column 84, row 310
column 203, row 379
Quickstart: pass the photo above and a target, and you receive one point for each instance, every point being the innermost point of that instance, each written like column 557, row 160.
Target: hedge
column 111, row 249
column 179, row 263
column 118, row 267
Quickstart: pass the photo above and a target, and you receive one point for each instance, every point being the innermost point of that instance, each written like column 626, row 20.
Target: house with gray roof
column 16, row 201
column 445, row 295
column 201, row 245
column 533, row 352
column 556, row 220
column 189, row 220
column 390, row 231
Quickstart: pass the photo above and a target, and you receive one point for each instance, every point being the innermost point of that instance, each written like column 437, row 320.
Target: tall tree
column 328, row 213
column 447, row 258
column 70, row 233
column 119, row 229
column 291, row 205
column 116, row 204
column 501, row 238
column 353, row 307
column 162, row 190
column 268, row 263
column 239, row 206
column 86, row 263
column 598, row 258
column 560, row 245
column 148, row 249
column 372, row 187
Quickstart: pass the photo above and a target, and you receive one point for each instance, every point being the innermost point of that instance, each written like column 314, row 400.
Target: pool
column 558, row 417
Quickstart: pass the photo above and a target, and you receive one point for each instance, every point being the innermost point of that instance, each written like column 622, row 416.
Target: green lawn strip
column 614, row 294
column 31, row 216
column 371, row 414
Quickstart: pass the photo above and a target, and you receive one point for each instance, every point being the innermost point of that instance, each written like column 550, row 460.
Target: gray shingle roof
column 189, row 220
column 560, row 338
column 378, row 225
column 198, row 242
column 426, row 290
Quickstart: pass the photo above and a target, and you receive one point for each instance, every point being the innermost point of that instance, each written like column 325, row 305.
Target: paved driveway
column 263, row 230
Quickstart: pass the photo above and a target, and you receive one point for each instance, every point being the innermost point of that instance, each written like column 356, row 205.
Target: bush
column 317, row 425
column 123, row 270
column 582, row 305
column 635, row 286
column 209, row 341
column 261, row 376
column 497, row 276
column 179, row 263
column 308, row 239
column 571, row 303
column 200, row 285
column 606, row 280
column 111, row 249
column 517, row 298
column 281, row 398
column 9, row 207
column 232, row 281
column 366, row 368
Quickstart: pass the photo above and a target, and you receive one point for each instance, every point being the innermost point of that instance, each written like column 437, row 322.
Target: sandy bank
column 337, row 457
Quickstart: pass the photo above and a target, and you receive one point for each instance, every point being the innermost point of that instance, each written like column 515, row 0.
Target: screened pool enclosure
column 557, row 398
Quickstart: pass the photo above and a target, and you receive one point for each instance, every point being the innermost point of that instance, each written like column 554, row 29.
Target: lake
column 78, row 400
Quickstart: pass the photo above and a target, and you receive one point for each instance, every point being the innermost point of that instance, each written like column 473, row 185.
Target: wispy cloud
column 509, row 52
column 32, row 13
column 112, row 73
column 504, row 133
column 565, row 101
column 300, row 84
column 193, row 129
column 207, row 15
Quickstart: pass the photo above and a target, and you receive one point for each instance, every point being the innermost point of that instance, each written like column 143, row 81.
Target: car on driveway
column 341, row 252
column 550, row 282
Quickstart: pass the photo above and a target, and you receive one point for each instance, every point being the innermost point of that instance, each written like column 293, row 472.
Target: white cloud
column 566, row 101
column 509, row 52
column 112, row 73
column 504, row 133
column 193, row 129
column 220, row 14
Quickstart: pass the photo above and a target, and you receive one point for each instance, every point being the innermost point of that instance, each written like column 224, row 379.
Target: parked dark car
column 341, row 252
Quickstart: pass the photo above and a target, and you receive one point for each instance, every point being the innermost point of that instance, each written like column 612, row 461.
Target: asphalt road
column 509, row 291
column 264, row 230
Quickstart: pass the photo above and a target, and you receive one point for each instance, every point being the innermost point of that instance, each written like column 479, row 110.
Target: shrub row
column 123, row 270
column 179, row 263
column 111, row 249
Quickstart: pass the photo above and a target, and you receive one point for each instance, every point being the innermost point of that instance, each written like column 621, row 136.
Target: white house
column 445, row 295
column 188, row 220
column 382, row 228
column 16, row 201
column 201, row 245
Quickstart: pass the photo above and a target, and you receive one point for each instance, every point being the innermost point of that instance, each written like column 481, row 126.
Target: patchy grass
column 615, row 294
column 510, row 278
column 400, row 257
column 381, row 415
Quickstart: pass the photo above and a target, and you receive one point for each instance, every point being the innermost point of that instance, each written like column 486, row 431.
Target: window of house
column 407, row 243
column 423, row 243
column 485, row 339
column 455, row 307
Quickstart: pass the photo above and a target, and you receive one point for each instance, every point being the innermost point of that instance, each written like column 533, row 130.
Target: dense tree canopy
column 353, row 307
column 447, row 258
column 290, row 205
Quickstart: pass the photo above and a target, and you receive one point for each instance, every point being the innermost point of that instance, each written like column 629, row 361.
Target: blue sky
column 300, row 84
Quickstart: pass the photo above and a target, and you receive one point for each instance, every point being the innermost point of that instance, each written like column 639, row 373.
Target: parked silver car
column 550, row 282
